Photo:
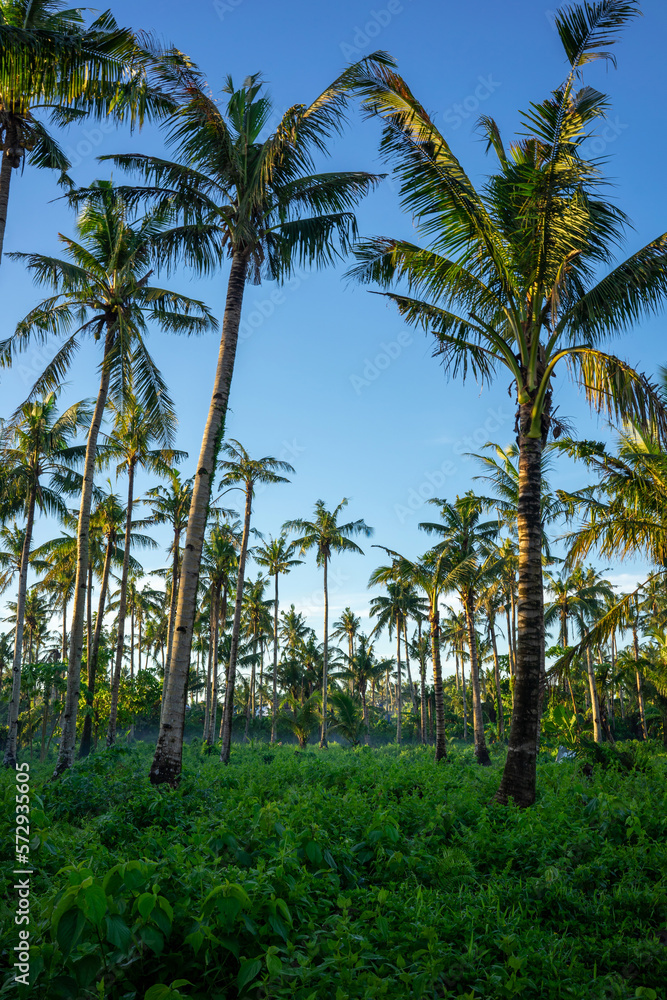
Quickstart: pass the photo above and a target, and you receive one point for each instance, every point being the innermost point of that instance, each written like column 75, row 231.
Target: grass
column 343, row 874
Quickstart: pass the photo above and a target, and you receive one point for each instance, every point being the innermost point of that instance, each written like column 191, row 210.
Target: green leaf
column 158, row 992
column 94, row 903
column 273, row 964
column 152, row 937
column 118, row 933
column 69, row 930
column 249, row 970
column 145, row 904
column 313, row 852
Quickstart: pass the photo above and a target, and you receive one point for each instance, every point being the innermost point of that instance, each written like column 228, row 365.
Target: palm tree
column 258, row 203
column 467, row 545
column 508, row 281
column 392, row 613
column 348, row 626
column 276, row 557
column 248, row 472
column 431, row 575
column 364, row 669
column 219, row 561
column 326, row 535
column 170, row 505
column 34, row 445
column 255, row 626
column 53, row 64
column 453, row 636
column 130, row 441
column 102, row 291
column 109, row 516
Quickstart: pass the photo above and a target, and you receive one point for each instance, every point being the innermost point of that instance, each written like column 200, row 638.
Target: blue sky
column 327, row 376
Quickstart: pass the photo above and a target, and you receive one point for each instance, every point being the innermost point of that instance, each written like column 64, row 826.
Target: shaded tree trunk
column 167, row 762
column 68, row 737
column 274, row 698
column 640, row 686
column 86, row 736
column 236, row 629
column 17, row 662
column 172, row 615
column 481, row 750
column 122, row 612
column 440, row 737
column 5, row 183
column 496, row 674
column 595, row 701
column 325, row 659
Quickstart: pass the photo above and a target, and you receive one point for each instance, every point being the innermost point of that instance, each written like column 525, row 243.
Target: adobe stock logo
column 373, row 367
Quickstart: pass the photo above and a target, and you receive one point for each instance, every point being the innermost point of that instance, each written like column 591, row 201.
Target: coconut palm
column 34, row 445
column 347, row 626
column 56, row 66
column 326, row 535
column 102, row 291
column 431, row 575
column 467, row 542
column 239, row 468
column 255, row 627
column 276, row 557
column 362, row 668
column 170, row 505
column 258, row 203
column 219, row 561
column 509, row 281
column 129, row 443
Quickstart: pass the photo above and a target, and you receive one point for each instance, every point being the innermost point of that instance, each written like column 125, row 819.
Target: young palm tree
column 247, row 472
column 257, row 203
column 130, row 441
column 326, row 535
column 102, row 291
column 508, row 281
column 276, row 557
column 36, row 444
column 53, row 64
column 347, row 626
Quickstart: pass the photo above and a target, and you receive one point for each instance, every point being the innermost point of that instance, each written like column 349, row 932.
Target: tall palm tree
column 34, row 445
column 54, row 65
column 255, row 626
column 276, row 557
column 508, row 282
column 326, row 535
column 129, row 443
column 239, row 468
column 258, row 203
column 102, row 291
column 347, row 626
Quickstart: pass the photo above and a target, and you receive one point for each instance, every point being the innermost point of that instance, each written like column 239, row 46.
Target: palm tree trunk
column 122, row 611
column 595, row 701
column 68, row 737
column 519, row 775
column 496, row 673
column 440, row 738
column 167, row 761
column 86, row 736
column 5, row 182
column 236, row 629
column 89, row 614
column 399, row 693
column 172, row 615
column 464, row 692
column 13, row 710
column 215, row 615
column 640, row 686
column 481, row 751
column 274, row 700
column 209, row 673
column 325, row 658
column 407, row 667
column 63, row 651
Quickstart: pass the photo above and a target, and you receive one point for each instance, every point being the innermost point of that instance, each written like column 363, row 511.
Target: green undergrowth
column 343, row 874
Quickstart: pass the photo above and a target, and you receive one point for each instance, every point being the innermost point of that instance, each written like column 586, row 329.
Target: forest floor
column 340, row 874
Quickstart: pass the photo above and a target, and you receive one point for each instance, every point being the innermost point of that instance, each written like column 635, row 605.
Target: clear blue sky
column 322, row 379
